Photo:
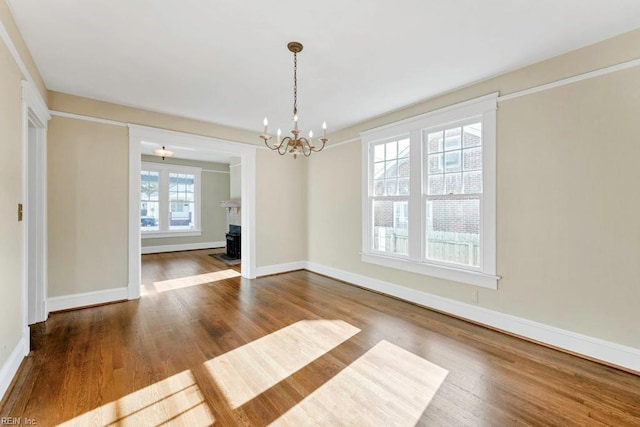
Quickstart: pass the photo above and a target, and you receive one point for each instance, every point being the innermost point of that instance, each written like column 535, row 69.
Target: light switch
column 19, row 212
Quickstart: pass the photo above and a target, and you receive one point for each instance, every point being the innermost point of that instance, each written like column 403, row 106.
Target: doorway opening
column 143, row 140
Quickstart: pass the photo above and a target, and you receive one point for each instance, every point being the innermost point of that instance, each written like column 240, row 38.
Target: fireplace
column 233, row 242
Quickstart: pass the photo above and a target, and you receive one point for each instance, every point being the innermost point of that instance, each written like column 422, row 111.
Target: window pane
column 452, row 161
column 181, row 216
column 378, row 187
column 472, row 135
column 472, row 182
column 403, row 148
column 149, row 185
column 392, row 150
column 435, row 164
column 452, row 139
column 436, row 184
column 403, row 186
column 378, row 153
column 391, row 169
column 453, row 183
column 434, row 142
column 378, row 170
column 149, row 216
column 403, row 167
column 453, row 231
column 391, row 187
column 391, row 226
column 472, row 159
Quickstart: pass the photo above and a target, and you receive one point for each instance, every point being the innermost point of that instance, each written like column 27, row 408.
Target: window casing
column 441, row 220
column 169, row 200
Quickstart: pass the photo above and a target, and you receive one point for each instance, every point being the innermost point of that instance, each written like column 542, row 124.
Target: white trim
column 33, row 98
column 215, row 171
column 268, row 270
column 165, row 234
column 574, row 79
column 87, row 118
column 460, row 275
column 134, row 232
column 34, row 196
column 346, row 141
column 182, row 247
column 441, row 116
column 4, row 35
column 85, row 299
column 10, row 367
column 594, row 348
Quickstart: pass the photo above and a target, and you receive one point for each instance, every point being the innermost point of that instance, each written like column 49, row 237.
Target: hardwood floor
column 204, row 346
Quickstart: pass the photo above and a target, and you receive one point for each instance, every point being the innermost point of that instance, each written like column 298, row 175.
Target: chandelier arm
column 266, row 139
column 316, row 150
column 306, row 146
column 284, row 145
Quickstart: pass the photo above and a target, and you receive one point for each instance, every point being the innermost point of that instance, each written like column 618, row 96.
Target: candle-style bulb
column 310, row 134
column 324, row 129
column 295, row 117
column 279, row 133
column 265, row 121
column 324, row 125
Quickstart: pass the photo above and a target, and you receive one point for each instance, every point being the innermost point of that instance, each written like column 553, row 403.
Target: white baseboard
column 182, row 247
column 67, row 302
column 594, row 348
column 10, row 367
column 280, row 268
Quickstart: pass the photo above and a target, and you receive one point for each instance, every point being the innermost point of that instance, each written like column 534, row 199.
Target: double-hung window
column 429, row 202
column 169, row 200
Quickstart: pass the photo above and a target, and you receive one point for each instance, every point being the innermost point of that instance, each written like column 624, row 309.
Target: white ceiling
column 226, row 61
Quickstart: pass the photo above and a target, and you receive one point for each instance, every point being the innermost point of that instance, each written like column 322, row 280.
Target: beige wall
column 88, row 206
column 281, row 208
column 11, row 238
column 568, row 227
column 280, row 197
column 9, row 24
column 235, row 179
column 214, row 187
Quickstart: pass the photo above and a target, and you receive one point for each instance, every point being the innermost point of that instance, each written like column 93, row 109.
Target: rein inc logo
column 18, row 421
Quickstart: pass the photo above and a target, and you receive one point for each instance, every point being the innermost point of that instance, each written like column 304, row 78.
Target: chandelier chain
column 295, row 83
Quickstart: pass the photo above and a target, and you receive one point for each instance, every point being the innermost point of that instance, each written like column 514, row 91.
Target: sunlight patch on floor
column 386, row 386
column 176, row 400
column 200, row 279
column 249, row 370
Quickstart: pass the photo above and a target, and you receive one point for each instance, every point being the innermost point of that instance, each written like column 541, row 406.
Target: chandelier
column 294, row 144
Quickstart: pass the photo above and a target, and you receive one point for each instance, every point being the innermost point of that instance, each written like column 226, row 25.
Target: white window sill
column 178, row 233
column 449, row 273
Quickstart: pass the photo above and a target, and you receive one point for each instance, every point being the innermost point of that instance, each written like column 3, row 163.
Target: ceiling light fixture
column 163, row 152
column 294, row 145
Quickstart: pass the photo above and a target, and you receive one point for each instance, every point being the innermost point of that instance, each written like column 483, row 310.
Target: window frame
column 390, row 198
column 483, row 109
column 164, row 202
